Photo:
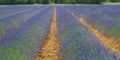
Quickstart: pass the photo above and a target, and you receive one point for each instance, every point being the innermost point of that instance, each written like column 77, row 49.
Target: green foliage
column 55, row 1
column 3, row 29
column 67, row 31
column 11, row 53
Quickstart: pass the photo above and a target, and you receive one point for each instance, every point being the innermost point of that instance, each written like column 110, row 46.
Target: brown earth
column 108, row 41
column 2, row 35
column 50, row 48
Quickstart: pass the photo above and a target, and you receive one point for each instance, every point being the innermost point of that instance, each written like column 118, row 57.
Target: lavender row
column 13, row 22
column 16, row 11
column 26, row 41
column 100, row 17
column 12, row 9
column 77, row 42
column 5, row 15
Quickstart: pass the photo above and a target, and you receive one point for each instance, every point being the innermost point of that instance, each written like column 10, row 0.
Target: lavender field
column 47, row 32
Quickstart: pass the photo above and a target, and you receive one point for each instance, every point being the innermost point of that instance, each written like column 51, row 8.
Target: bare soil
column 108, row 41
column 50, row 48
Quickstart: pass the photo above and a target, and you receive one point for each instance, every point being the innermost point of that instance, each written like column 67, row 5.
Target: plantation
column 83, row 32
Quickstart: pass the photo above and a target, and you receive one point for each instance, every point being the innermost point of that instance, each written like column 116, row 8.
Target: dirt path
column 2, row 35
column 51, row 45
column 109, row 42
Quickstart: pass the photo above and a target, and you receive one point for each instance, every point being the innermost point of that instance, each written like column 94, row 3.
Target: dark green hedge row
column 55, row 1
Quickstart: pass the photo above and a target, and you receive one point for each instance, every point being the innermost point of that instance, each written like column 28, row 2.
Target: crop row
column 25, row 42
column 12, row 10
column 15, row 21
column 77, row 42
column 105, row 17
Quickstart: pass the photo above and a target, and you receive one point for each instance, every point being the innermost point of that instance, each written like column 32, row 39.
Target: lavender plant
column 25, row 42
column 77, row 42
